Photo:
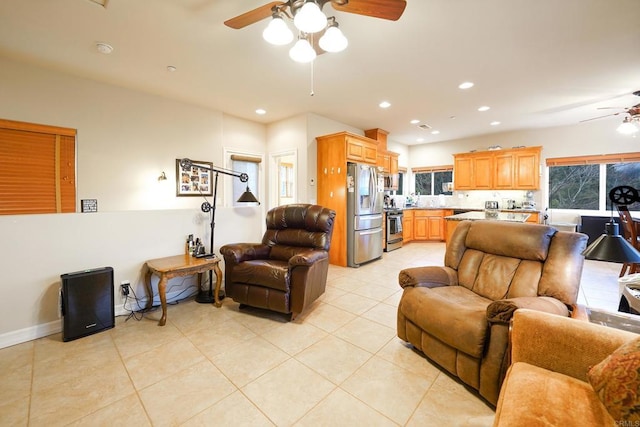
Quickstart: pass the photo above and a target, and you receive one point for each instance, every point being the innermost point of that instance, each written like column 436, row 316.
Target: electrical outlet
column 124, row 288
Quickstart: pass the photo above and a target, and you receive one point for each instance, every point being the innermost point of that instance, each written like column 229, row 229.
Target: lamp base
column 206, row 297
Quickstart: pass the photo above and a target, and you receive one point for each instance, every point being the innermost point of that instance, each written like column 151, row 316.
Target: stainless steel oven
column 393, row 229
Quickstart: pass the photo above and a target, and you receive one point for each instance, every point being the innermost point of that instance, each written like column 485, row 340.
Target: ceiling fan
column 630, row 124
column 309, row 20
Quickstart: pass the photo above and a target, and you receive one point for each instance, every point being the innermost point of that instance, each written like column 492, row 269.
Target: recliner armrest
column 428, row 277
column 240, row 252
column 562, row 344
column 501, row 311
column 308, row 258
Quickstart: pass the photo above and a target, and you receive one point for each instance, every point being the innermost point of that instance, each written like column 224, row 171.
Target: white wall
column 125, row 140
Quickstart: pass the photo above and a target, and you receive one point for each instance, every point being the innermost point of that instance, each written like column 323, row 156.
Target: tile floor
column 340, row 363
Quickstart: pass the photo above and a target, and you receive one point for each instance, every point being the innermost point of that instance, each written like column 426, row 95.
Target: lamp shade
column 277, row 32
column 612, row 247
column 248, row 197
column 310, row 18
column 302, row 51
column 628, row 127
column 333, row 40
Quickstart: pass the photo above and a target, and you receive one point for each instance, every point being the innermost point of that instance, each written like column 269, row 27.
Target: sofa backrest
column 498, row 260
column 299, row 225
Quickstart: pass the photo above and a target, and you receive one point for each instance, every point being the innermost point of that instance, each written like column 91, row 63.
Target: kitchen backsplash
column 471, row 199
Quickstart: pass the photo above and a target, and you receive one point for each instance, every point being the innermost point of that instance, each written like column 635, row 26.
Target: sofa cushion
column 453, row 314
column 532, row 396
column 616, row 381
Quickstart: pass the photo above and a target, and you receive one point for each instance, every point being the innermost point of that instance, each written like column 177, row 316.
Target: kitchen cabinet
column 384, row 161
column 513, row 169
column 517, row 169
column 361, row 149
column 425, row 224
column 407, row 225
column 473, row 171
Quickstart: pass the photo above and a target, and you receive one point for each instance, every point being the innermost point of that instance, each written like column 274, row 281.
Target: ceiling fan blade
column 252, row 16
column 611, row 108
column 600, row 117
column 384, row 9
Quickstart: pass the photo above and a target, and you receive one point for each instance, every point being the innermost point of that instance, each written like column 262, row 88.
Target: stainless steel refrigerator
column 365, row 193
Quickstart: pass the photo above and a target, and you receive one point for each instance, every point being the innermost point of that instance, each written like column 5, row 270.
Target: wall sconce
column 162, row 177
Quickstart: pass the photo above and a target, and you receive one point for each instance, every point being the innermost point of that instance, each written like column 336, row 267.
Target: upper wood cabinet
column 361, row 149
column 473, row 171
column 514, row 169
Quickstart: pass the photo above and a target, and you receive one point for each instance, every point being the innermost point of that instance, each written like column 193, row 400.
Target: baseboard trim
column 28, row 334
column 39, row 331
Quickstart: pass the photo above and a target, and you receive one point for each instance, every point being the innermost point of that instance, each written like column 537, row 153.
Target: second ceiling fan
column 317, row 33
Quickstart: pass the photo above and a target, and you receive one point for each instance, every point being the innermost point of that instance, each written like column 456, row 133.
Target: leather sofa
column 547, row 383
column 458, row 314
column 288, row 270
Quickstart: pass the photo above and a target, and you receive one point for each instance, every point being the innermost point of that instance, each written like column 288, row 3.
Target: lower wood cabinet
column 425, row 224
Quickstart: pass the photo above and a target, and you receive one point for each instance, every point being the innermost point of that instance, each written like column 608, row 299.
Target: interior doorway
column 284, row 182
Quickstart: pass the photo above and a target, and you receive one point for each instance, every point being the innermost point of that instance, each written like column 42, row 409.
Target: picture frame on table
column 193, row 180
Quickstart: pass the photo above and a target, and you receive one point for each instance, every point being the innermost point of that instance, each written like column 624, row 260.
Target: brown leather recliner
column 458, row 315
column 288, row 270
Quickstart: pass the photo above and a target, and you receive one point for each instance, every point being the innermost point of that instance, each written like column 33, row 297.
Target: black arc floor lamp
column 246, row 197
column 611, row 246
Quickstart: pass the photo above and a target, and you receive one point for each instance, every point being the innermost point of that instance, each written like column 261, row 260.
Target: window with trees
column 432, row 181
column 584, row 182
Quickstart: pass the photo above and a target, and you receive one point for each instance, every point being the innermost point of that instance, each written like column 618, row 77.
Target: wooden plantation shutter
column 37, row 168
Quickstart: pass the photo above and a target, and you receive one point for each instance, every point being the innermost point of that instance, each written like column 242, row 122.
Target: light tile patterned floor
column 339, row 364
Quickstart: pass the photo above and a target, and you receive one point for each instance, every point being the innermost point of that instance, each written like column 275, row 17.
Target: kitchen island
column 451, row 221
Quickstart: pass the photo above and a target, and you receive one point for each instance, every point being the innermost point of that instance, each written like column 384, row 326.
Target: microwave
column 391, row 182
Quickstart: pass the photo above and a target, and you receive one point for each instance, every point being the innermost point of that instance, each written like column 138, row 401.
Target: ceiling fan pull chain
column 312, row 92
column 312, row 67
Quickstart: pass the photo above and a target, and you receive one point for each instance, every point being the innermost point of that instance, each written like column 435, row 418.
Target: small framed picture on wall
column 193, row 180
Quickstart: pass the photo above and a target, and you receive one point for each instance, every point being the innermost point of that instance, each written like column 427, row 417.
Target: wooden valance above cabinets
column 512, row 169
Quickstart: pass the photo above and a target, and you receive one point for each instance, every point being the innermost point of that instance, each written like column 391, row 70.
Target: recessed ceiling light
column 384, row 104
column 415, row 121
column 261, row 111
column 452, row 117
column 435, row 132
column 104, row 48
column 484, row 108
column 496, row 123
column 171, row 68
column 466, row 85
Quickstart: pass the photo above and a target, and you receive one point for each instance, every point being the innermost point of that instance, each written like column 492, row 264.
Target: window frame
column 602, row 161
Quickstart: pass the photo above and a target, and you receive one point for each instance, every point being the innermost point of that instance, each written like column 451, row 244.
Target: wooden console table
column 177, row 266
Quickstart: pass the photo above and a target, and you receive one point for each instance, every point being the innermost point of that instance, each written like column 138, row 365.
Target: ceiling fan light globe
column 302, row 51
column 310, row 18
column 627, row 127
column 333, row 40
column 277, row 32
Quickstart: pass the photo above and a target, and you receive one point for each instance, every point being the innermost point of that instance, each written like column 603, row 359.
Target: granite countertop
column 457, row 208
column 501, row 216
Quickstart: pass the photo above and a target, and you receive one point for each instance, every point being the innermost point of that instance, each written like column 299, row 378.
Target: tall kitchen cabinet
column 334, row 151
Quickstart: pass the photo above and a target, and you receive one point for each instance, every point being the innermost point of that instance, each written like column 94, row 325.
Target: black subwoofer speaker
column 87, row 302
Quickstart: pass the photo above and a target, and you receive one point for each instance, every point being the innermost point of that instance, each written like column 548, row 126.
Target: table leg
column 162, row 289
column 216, row 292
column 147, row 283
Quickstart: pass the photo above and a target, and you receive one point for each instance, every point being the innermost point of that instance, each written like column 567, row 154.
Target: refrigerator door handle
column 375, row 231
column 374, row 188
